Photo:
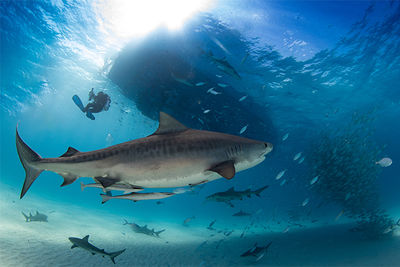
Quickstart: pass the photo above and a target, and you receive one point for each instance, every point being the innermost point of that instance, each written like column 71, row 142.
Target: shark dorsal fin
column 70, row 152
column 86, row 238
column 169, row 125
column 230, row 189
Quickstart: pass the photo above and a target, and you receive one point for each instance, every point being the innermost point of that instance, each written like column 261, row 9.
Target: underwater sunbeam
column 133, row 18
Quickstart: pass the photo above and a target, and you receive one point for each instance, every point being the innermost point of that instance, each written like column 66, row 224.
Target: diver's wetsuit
column 100, row 102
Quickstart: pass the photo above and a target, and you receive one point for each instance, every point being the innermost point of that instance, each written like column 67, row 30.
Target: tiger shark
column 173, row 156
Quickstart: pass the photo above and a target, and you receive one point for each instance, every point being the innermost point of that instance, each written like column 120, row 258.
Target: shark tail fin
column 159, row 232
column 115, row 254
column 105, row 198
column 27, row 157
column 125, row 222
column 257, row 192
column 26, row 216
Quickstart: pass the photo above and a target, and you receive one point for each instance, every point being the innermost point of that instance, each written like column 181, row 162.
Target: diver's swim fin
column 90, row 115
column 78, row 102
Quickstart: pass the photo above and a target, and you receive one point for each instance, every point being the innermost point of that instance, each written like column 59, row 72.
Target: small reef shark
column 210, row 226
column 223, row 65
column 231, row 194
column 38, row 217
column 257, row 252
column 173, row 156
column 143, row 229
column 84, row 244
column 241, row 214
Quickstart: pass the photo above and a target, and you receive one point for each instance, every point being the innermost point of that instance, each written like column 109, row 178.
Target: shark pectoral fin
column 68, row 179
column 70, row 152
column 226, row 169
column 74, row 246
column 106, row 182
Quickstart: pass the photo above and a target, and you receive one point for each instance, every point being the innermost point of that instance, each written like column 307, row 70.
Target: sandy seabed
column 46, row 244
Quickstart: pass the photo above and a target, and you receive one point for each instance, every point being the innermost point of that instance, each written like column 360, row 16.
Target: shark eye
column 266, row 145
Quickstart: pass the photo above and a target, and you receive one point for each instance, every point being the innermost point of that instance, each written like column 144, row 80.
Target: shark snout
column 268, row 147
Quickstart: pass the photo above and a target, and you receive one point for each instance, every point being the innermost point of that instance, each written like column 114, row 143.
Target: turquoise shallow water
column 316, row 79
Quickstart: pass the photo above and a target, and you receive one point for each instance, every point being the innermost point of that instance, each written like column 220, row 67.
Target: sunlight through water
column 127, row 19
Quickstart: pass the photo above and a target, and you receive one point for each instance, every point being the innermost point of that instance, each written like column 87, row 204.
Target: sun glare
column 127, row 18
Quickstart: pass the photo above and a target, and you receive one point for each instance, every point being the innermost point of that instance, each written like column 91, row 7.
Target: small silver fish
column 301, row 160
column 286, row 230
column 283, row 182
column 385, row 162
column 297, row 156
column 314, row 180
column 348, row 195
column 200, row 84
column 305, row 202
column 280, row 174
column 213, row 92
column 285, row 137
column 339, row 215
column 206, row 111
column 243, row 129
column 219, row 76
column 223, row 85
column 242, row 98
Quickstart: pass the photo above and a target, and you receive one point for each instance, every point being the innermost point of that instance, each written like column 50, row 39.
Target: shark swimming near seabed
column 258, row 252
column 143, row 229
column 38, row 217
column 230, row 194
column 210, row 226
column 84, row 244
column 241, row 214
column 173, row 156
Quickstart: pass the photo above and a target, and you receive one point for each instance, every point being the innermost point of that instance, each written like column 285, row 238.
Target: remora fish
column 38, row 217
column 143, row 229
column 117, row 187
column 231, row 194
column 257, row 252
column 173, row 156
column 137, row 196
column 84, row 244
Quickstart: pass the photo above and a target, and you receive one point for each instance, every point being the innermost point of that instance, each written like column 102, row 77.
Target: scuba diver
column 97, row 103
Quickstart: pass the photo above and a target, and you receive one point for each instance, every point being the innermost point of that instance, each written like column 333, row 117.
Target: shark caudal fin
column 159, row 232
column 105, row 198
column 258, row 191
column 27, row 157
column 115, row 254
column 26, row 216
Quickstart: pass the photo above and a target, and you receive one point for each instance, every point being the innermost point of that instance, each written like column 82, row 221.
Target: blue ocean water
column 326, row 74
